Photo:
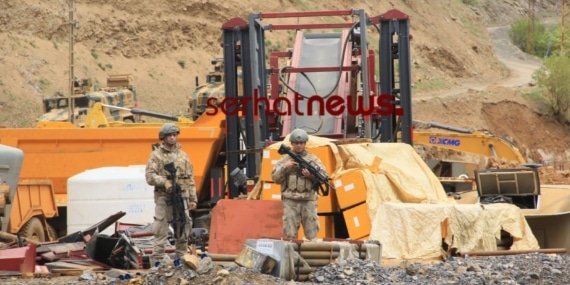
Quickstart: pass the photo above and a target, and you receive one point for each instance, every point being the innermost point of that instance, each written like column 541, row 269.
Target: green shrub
column 552, row 77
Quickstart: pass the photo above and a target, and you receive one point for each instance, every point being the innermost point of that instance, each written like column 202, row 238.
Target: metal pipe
column 513, row 252
column 222, row 257
column 314, row 262
column 327, row 247
column 326, row 254
column 450, row 128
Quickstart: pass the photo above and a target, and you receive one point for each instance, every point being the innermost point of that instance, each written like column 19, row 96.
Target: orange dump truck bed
column 59, row 153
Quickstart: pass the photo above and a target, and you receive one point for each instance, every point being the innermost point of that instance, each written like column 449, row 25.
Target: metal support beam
column 395, row 45
column 364, row 71
column 234, row 31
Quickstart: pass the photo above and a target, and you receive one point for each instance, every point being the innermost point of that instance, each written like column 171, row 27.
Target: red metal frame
column 316, row 69
column 275, row 15
column 280, row 27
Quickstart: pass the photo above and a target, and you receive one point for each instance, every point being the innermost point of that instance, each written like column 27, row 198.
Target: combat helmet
column 168, row 128
column 299, row 135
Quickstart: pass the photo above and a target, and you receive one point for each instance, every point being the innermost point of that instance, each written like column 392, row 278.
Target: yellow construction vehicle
column 25, row 204
column 473, row 142
column 56, row 151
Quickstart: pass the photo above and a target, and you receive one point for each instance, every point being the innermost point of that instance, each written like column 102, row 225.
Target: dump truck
column 25, row 204
column 59, row 150
column 119, row 92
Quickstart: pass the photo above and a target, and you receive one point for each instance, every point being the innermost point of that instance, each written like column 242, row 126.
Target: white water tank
column 95, row 194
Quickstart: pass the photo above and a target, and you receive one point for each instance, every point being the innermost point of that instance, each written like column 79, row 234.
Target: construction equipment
column 327, row 67
column 468, row 141
column 25, row 204
column 60, row 150
column 118, row 92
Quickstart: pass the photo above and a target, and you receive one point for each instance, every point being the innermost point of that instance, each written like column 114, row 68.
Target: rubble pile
column 549, row 175
column 534, row 268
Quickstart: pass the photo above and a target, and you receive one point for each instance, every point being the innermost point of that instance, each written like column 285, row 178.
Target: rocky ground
column 534, row 268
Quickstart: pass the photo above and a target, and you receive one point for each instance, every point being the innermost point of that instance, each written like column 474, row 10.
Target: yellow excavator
column 467, row 141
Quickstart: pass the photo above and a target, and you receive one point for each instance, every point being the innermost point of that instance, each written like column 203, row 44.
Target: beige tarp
column 407, row 204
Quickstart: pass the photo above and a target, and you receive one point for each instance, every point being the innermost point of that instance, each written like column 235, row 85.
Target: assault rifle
column 320, row 178
column 178, row 221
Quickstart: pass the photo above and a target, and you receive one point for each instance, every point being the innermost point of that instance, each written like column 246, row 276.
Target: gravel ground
column 524, row 269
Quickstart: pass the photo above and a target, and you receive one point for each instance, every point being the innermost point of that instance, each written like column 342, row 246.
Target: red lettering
column 212, row 107
column 321, row 102
column 333, row 102
column 399, row 111
column 334, row 105
column 230, row 103
column 277, row 108
column 360, row 109
column 298, row 98
column 385, row 106
column 257, row 100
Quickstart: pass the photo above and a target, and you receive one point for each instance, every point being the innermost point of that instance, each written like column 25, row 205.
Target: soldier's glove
column 192, row 206
column 168, row 186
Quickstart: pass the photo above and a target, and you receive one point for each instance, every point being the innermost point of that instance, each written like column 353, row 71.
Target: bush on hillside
column 541, row 36
column 552, row 77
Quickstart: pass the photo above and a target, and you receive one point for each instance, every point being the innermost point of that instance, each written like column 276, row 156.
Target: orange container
column 350, row 189
column 326, row 223
column 328, row 204
column 269, row 159
column 325, row 154
column 270, row 191
column 357, row 221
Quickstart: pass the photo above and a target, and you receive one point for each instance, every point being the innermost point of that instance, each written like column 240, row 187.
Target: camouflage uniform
column 299, row 200
column 156, row 175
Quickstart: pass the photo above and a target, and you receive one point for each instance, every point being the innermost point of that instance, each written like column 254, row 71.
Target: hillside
column 457, row 77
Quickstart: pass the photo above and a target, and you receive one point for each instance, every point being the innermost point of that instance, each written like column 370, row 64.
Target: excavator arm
column 475, row 143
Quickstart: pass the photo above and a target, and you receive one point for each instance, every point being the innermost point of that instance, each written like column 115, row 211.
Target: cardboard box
column 328, row 204
column 357, row 221
column 326, row 223
column 325, row 154
column 350, row 189
column 325, row 204
column 270, row 191
column 269, row 158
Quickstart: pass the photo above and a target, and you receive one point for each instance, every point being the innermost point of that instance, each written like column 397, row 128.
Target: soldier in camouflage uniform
column 157, row 176
column 299, row 200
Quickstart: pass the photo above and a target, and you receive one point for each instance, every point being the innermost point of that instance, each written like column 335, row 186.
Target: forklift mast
column 250, row 122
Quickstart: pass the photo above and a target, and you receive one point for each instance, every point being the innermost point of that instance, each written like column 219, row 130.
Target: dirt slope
column 452, row 53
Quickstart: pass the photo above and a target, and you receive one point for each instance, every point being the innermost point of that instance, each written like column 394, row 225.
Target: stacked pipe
column 317, row 255
column 223, row 259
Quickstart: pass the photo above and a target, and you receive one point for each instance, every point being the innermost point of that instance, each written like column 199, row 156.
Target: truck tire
column 51, row 232
column 33, row 230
